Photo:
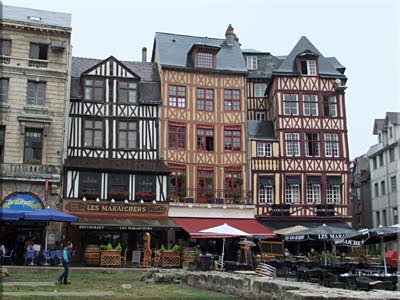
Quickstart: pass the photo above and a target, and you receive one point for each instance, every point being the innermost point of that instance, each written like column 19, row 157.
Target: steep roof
column 261, row 130
column 393, row 117
column 326, row 66
column 149, row 85
column 173, row 49
column 266, row 64
column 378, row 125
column 36, row 16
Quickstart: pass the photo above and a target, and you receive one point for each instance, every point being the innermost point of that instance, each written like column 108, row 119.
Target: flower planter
column 110, row 258
column 171, row 259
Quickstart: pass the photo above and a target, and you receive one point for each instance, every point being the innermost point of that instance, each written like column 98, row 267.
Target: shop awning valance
column 126, row 224
column 293, row 180
column 267, row 181
column 194, row 226
column 334, row 180
column 314, row 180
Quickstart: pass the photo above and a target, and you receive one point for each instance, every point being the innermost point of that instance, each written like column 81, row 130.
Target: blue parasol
column 8, row 214
column 49, row 214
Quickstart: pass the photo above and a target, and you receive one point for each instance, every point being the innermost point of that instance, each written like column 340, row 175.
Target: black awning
column 293, row 180
column 334, row 180
column 314, row 180
column 267, row 181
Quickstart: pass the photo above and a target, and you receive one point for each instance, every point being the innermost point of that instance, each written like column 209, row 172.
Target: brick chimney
column 230, row 36
column 144, row 54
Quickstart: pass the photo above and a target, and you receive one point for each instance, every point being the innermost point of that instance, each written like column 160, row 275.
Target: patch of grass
column 104, row 281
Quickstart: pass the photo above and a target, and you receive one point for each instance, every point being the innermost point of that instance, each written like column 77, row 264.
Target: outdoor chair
column 265, row 270
column 219, row 265
column 123, row 257
column 6, row 258
column 30, row 254
column 48, row 256
column 59, row 255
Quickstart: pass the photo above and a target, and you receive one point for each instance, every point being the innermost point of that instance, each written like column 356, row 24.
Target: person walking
column 66, row 259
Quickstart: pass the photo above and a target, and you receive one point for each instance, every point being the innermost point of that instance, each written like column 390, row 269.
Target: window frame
column 289, row 105
column 230, row 97
column 331, row 145
column 311, row 64
column 262, row 150
column 376, row 189
column 292, row 144
column 260, row 113
column 230, row 185
column 205, row 134
column 292, row 193
column 179, row 99
column 39, row 45
column 98, row 183
column 4, row 92
column 266, row 192
column 38, row 149
column 206, row 101
column 257, row 88
column 383, row 187
column 37, row 85
column 126, row 131
column 121, row 186
column 2, row 142
column 393, row 184
column 128, row 89
column 93, row 87
column 94, row 130
column 313, row 191
column 329, row 105
column 310, row 106
column 232, row 136
column 150, row 185
column 2, row 47
column 315, row 143
column 202, row 61
column 202, row 186
column 175, row 189
column 178, row 134
column 333, row 193
column 251, row 62
column 391, row 155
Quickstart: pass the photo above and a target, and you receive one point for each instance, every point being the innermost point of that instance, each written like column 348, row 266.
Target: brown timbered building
column 305, row 103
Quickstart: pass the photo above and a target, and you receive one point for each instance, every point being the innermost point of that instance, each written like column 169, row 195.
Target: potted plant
column 145, row 196
column 33, row 161
column 209, row 180
column 89, row 194
column 236, row 193
column 182, row 195
column 118, row 195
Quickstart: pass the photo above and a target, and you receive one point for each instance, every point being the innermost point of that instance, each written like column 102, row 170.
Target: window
column 232, row 188
column 390, row 132
column 384, row 218
column 292, row 141
column 264, row 149
column 177, row 181
column 94, row 90
column 391, row 155
column 93, row 133
column 313, row 193
column 260, row 115
column 3, row 90
column 310, row 105
column 232, row 100
column 204, row 184
column 331, row 145
column 118, row 186
column 333, row 190
column 375, row 162
column 5, row 46
column 205, row 138
column 33, row 145
column 330, row 106
column 378, row 218
column 383, row 189
column 36, row 93
column 38, row 51
column 177, row 96
column 89, row 185
column 395, row 215
column 251, row 62
column 381, row 163
column 312, row 144
column 393, row 183
column 205, row 60
column 266, row 190
column 308, row 67
column 205, row 99
column 232, row 139
column 127, row 135
column 2, row 132
column 127, row 92
column 380, row 137
column 292, row 190
column 176, row 136
column 291, row 104
column 145, row 183
column 376, row 188
column 259, row 89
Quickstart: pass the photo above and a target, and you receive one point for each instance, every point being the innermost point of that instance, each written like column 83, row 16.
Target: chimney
column 144, row 54
column 230, row 36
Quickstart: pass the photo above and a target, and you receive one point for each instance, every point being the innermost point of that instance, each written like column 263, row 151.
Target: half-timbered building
column 309, row 182
column 115, row 179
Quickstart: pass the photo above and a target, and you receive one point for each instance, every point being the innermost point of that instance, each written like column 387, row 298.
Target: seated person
column 2, row 250
column 30, row 247
column 312, row 253
column 287, row 253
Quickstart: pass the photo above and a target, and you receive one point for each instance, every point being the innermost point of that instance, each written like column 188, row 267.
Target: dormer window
column 308, row 67
column 205, row 59
column 251, row 62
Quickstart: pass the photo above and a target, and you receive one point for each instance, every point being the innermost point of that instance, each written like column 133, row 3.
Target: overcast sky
column 363, row 35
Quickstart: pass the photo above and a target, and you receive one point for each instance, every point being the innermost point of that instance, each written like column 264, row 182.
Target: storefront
column 103, row 223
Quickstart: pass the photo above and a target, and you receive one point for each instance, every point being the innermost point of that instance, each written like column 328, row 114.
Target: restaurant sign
column 22, row 202
column 280, row 210
column 128, row 228
column 107, row 208
column 325, row 210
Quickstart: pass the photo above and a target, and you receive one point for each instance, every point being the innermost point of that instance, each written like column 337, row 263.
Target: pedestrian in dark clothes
column 66, row 259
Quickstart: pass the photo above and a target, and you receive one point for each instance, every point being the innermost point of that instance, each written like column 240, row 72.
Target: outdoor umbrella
column 8, row 214
column 223, row 231
column 49, row 214
column 289, row 230
column 247, row 243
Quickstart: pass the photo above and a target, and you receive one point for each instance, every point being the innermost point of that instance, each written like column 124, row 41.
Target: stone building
column 384, row 162
column 35, row 63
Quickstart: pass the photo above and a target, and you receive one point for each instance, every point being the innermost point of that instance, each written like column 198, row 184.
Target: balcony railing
column 211, row 196
column 37, row 63
column 35, row 172
column 4, row 60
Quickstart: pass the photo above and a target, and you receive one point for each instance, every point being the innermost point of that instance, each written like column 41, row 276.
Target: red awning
column 194, row 225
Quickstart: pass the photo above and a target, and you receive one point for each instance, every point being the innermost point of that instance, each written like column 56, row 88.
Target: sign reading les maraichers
column 98, row 208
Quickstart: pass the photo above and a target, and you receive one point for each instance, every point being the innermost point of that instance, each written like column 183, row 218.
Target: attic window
column 33, row 18
column 205, row 60
column 251, row 62
column 308, row 67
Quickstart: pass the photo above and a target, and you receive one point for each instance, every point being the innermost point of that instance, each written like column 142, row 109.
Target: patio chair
column 47, row 257
column 59, row 255
column 30, row 254
column 6, row 258
column 265, row 270
column 219, row 265
column 123, row 257
column 136, row 257
column 53, row 257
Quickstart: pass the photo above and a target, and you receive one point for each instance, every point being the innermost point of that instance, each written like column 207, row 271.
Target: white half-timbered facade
column 113, row 137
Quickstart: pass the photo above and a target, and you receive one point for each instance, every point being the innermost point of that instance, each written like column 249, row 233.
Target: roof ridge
column 101, row 59
column 188, row 35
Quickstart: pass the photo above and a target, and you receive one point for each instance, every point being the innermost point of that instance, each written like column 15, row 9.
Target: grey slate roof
column 261, row 130
column 149, row 85
column 266, row 64
column 36, row 16
column 325, row 65
column 393, row 117
column 173, row 52
column 378, row 125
